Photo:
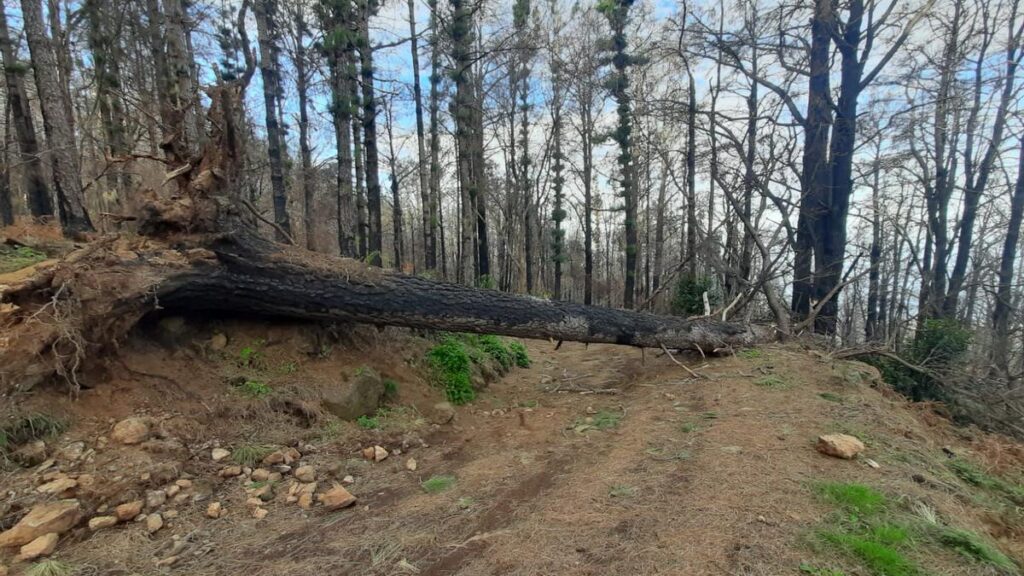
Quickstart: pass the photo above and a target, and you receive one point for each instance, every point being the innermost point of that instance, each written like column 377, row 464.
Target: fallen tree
column 67, row 314
column 197, row 250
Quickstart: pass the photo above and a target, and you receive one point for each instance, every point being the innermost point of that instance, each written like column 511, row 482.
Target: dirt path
column 696, row 477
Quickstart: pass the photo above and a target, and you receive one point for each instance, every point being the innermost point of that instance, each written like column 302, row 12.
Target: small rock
column 441, row 413
column 275, row 477
column 306, row 501
column 155, row 499
column 72, row 451
column 57, row 517
column 173, row 490
column 31, row 454
column 273, row 458
column 840, row 446
column 60, row 486
column 260, row 475
column 230, row 471
column 133, row 430
column 183, row 483
column 101, row 522
column 181, row 499
column 410, row 464
column 253, row 502
column 260, row 513
column 291, row 455
column 379, row 453
column 214, row 510
column 305, row 474
column 219, row 454
column 265, row 493
column 218, row 342
column 337, row 497
column 348, row 479
column 872, row 463
column 40, row 547
column 170, row 514
column 154, row 522
column 128, row 511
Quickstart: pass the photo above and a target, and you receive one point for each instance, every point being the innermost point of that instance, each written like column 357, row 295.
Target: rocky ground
column 216, row 446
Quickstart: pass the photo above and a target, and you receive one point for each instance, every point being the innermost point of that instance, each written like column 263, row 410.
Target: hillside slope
column 593, row 461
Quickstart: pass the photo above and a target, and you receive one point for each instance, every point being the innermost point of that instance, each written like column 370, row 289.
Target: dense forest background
column 847, row 167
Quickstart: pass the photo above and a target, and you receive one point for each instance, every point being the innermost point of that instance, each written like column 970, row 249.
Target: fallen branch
column 684, row 367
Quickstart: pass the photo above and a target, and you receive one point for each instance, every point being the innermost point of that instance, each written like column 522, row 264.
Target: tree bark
column 375, row 232
column 422, row 162
column 307, row 179
column 266, row 26
column 38, row 192
column 1004, row 294
column 57, row 123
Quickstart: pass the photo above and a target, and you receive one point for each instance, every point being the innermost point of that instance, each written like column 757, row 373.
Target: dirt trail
column 708, row 476
column 594, row 461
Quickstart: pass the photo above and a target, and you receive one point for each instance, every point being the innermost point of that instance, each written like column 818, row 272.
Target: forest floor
column 593, row 461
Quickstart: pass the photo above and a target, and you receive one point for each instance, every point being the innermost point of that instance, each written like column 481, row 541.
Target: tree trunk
column 307, row 177
column 37, row 191
column 816, row 176
column 1004, row 292
column 56, row 123
column 375, row 233
column 106, row 289
column 691, row 176
column 266, row 26
column 435, row 144
column 422, row 162
column 337, row 48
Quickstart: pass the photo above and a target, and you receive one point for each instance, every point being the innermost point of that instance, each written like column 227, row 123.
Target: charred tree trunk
column 375, row 232
column 57, row 123
column 422, row 162
column 1004, row 296
column 266, row 26
column 101, row 291
column 36, row 189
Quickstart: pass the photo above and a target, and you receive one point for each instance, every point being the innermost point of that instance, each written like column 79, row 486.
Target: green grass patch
column 689, row 427
column 439, row 483
column 254, row 388
column 977, row 548
column 250, row 454
column 519, row 354
column 881, row 557
column 368, row 422
column 709, row 415
column 602, row 420
column 772, row 382
column 974, row 476
column 12, row 258
column 29, row 429
column 450, row 364
column 390, row 388
column 528, row 404
column 49, row 568
column 853, row 498
column 750, row 353
column 251, row 356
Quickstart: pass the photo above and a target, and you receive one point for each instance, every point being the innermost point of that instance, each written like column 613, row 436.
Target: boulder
column 57, row 517
column 336, row 498
column 360, row 395
column 40, row 547
column 840, row 446
column 133, row 430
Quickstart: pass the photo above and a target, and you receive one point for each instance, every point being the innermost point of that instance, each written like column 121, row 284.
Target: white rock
column 219, row 454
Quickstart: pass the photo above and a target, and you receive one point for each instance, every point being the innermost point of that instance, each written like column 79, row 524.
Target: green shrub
column 30, row 428
column 940, row 345
column 49, row 568
column 12, row 258
column 450, row 364
column 689, row 296
column 518, row 350
column 390, row 388
column 496, row 349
